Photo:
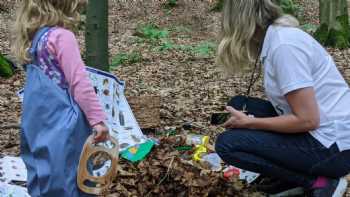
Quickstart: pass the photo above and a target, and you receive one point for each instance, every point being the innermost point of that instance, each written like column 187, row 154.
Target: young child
column 60, row 107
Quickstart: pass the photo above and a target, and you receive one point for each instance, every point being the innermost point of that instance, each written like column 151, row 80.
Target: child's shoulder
column 59, row 32
column 59, row 37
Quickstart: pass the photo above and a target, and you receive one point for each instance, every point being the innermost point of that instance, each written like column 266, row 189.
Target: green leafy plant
column 310, row 28
column 288, row 6
column 292, row 8
column 126, row 58
column 180, row 29
column 151, row 32
column 205, row 49
column 165, row 45
column 185, row 48
column 6, row 67
column 134, row 57
column 170, row 4
column 218, row 6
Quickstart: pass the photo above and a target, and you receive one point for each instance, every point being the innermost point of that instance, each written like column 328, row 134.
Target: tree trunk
column 96, row 37
column 334, row 23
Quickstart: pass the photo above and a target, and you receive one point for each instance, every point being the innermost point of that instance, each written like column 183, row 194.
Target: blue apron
column 54, row 130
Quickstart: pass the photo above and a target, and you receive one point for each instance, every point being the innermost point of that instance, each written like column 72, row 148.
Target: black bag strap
column 257, row 67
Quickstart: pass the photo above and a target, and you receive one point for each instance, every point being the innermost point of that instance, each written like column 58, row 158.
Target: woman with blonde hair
column 307, row 144
column 60, row 107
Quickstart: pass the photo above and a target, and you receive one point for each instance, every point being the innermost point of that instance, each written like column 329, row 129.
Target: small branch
column 167, row 172
column 11, row 126
column 165, row 176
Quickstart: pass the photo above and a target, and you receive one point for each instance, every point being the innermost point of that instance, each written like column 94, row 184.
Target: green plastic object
column 184, row 148
column 138, row 152
column 6, row 70
column 96, row 35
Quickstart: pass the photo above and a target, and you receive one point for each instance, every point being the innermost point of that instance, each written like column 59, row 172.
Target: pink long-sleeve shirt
column 64, row 46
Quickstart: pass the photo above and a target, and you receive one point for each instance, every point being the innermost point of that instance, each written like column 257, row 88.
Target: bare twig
column 165, row 176
column 10, row 126
column 167, row 172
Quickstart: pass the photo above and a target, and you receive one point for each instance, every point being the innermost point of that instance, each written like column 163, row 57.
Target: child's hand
column 101, row 134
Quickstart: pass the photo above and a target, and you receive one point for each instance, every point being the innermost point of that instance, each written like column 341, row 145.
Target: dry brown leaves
column 10, row 114
column 163, row 173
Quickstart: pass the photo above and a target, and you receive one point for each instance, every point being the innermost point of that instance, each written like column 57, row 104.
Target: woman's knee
column 228, row 141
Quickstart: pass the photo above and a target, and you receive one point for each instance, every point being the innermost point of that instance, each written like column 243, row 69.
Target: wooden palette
column 101, row 183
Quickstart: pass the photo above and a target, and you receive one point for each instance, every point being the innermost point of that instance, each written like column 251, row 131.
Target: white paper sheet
column 7, row 190
column 121, row 121
column 12, row 169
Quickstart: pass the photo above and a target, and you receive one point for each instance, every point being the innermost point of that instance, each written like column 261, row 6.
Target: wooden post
column 96, row 37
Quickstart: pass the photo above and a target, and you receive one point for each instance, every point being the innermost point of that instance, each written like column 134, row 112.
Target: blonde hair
column 240, row 20
column 34, row 14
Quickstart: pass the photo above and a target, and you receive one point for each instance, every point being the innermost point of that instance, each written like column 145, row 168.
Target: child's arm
column 64, row 45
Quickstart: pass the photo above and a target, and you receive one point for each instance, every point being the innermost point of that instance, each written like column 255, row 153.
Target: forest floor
column 177, row 62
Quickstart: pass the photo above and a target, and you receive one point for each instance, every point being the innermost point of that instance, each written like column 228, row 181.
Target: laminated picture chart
column 121, row 121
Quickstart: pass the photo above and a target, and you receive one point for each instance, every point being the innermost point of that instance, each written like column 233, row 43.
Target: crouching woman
column 308, row 143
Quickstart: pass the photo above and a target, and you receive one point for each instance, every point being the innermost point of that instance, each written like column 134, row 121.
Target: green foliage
column 165, row 45
column 151, row 32
column 219, row 5
column 185, row 48
column 160, row 41
column 339, row 37
column 170, row 4
column 287, row 6
column 205, row 49
column 6, row 69
column 310, row 28
column 180, row 29
column 126, row 58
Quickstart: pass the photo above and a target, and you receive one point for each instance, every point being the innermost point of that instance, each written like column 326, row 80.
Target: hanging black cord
column 253, row 80
column 258, row 66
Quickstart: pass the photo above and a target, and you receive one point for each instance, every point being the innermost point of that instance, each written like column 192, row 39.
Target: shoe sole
column 341, row 188
column 292, row 192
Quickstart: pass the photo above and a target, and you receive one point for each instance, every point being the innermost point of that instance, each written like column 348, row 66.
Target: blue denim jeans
column 294, row 158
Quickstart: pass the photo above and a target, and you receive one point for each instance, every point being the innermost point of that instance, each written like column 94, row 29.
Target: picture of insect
column 106, row 92
column 96, row 90
column 136, row 139
column 124, row 145
column 121, row 119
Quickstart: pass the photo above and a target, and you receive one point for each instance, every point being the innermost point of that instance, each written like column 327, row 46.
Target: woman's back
column 293, row 59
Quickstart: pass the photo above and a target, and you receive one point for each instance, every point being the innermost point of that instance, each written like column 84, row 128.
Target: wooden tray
column 102, row 182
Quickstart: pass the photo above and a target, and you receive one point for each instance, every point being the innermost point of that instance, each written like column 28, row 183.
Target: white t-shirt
column 293, row 60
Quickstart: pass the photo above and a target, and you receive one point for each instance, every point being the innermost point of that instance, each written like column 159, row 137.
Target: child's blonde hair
column 240, row 20
column 34, row 14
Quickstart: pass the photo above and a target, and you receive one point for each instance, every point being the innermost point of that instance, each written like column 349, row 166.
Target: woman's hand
column 101, row 134
column 238, row 119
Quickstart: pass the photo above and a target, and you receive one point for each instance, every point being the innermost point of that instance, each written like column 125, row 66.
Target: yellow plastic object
column 100, row 183
column 199, row 152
